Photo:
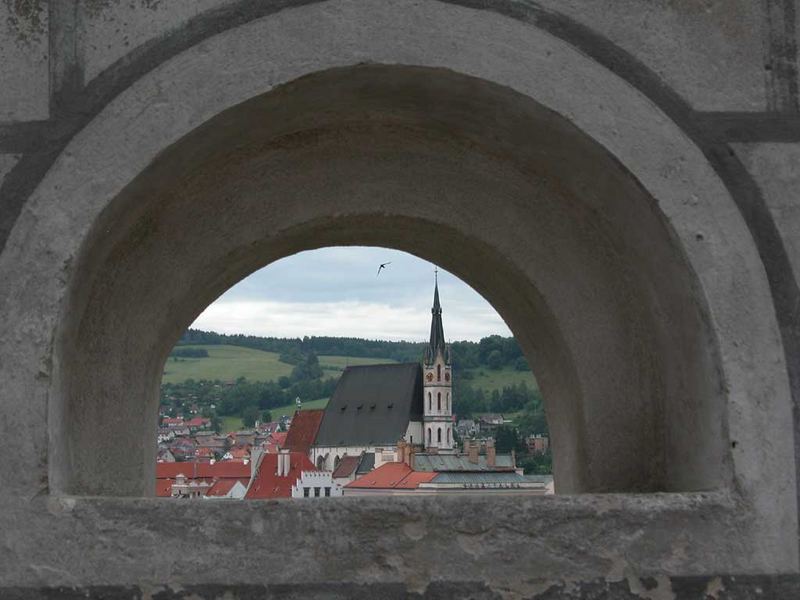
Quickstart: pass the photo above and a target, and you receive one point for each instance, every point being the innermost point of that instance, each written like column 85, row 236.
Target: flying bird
column 383, row 266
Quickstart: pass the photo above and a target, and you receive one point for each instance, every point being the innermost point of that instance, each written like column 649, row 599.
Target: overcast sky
column 335, row 291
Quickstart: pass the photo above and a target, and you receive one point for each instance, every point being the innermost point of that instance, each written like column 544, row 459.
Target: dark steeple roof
column 437, row 342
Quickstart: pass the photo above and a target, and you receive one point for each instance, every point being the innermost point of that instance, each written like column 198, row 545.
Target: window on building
column 327, row 492
column 411, row 437
column 447, row 402
column 439, row 401
column 306, row 492
column 429, row 400
column 316, row 492
column 448, row 435
column 438, row 372
column 429, row 435
column 439, row 435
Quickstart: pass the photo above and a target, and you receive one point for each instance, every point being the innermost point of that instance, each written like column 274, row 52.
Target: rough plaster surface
column 710, row 52
column 775, row 168
column 7, row 162
column 24, row 61
column 671, row 534
column 109, row 29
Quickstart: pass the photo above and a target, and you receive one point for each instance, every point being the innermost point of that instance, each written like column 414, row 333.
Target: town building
column 374, row 406
column 449, row 473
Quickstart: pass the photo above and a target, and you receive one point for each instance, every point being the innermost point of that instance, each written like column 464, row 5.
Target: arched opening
column 536, row 216
column 429, row 436
column 320, row 462
column 439, row 401
column 438, row 372
column 336, row 461
column 429, row 401
column 438, row 435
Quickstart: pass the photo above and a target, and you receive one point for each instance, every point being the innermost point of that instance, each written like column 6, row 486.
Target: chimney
column 401, row 450
column 490, row 452
column 284, row 463
column 473, row 452
column 410, row 452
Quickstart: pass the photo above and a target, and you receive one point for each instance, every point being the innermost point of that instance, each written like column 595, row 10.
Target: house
column 198, row 423
column 196, row 479
column 171, row 422
column 537, row 444
column 467, row 427
column 316, row 484
column 242, row 438
column 267, row 428
column 491, row 421
column 240, row 453
column 276, row 474
column 227, row 488
column 449, row 474
column 204, row 454
column 165, row 434
column 351, row 467
column 164, row 455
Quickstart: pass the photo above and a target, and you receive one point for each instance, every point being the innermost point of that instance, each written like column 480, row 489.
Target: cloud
column 335, row 292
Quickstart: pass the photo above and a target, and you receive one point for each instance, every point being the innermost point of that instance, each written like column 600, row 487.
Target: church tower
column 437, row 419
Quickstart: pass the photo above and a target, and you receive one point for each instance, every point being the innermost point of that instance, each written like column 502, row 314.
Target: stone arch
column 321, row 462
column 648, row 165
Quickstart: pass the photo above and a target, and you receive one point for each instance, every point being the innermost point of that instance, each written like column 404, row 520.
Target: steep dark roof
column 437, row 343
column 372, row 405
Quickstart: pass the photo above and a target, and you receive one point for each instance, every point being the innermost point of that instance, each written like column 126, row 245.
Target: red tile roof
column 346, row 466
column 193, row 470
column 222, row 486
column 278, row 437
column 198, row 422
column 303, row 432
column 390, row 475
column 267, row 484
column 164, row 488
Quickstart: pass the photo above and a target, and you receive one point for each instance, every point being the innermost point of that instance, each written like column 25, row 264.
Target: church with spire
column 376, row 408
column 438, row 384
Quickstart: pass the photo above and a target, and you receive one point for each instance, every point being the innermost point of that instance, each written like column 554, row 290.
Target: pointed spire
column 437, row 342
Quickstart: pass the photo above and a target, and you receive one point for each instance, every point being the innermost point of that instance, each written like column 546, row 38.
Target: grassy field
column 231, row 424
column 226, row 363
column 496, row 380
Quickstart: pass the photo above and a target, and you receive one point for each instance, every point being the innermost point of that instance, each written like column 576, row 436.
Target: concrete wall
column 620, row 174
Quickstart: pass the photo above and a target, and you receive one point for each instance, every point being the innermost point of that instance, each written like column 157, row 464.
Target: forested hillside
column 250, row 377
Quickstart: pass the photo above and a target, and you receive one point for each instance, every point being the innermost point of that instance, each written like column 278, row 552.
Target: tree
column 249, row 416
column 521, row 364
column 506, row 439
column 495, row 360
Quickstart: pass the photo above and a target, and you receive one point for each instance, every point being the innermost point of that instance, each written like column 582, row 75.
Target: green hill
column 228, row 363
